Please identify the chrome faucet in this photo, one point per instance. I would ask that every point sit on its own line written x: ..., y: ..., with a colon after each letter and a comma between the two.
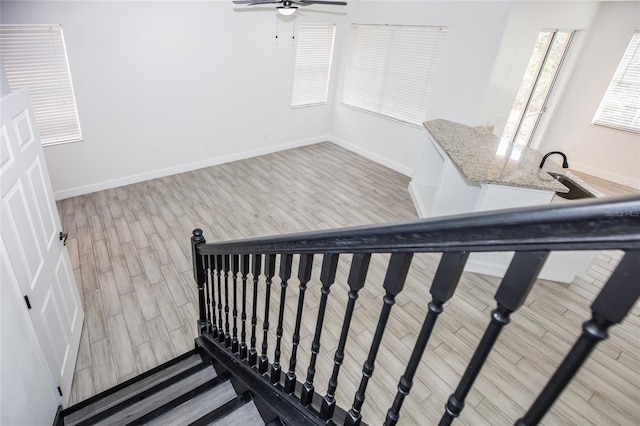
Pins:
x: 565, y: 164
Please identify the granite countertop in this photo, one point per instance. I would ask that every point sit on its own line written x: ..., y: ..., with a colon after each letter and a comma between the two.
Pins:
x: 481, y: 157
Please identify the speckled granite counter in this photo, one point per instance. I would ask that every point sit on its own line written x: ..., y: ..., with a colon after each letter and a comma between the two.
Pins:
x: 466, y: 169
x: 477, y: 154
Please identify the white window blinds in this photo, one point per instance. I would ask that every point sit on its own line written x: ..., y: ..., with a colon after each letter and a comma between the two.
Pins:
x: 313, y: 64
x: 620, y: 107
x: 391, y: 69
x: 34, y: 56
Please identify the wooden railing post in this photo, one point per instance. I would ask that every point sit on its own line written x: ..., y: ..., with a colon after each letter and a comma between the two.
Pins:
x: 235, y: 268
x: 211, y: 295
x: 393, y: 283
x: 200, y: 277
x: 304, y: 275
x: 227, y: 335
x: 612, y: 304
x: 443, y: 286
x: 512, y: 292
x: 286, y: 261
x: 269, y: 272
x: 327, y: 277
x: 219, y: 268
x: 357, y: 277
x: 256, y: 265
x: 243, y: 317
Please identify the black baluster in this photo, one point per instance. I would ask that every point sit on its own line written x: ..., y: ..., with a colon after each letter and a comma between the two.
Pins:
x: 443, y: 286
x: 243, y: 334
x: 200, y: 278
x: 219, y: 269
x: 256, y: 263
x: 235, y: 268
x: 212, y: 292
x: 304, y: 275
x: 227, y: 268
x: 285, y: 274
x: 393, y: 284
x: 327, y: 277
x: 269, y: 271
x: 356, y: 280
x: 612, y: 304
x: 511, y: 294
x: 207, y: 294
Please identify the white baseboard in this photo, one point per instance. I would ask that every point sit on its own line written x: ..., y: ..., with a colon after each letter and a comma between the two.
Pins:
x: 154, y: 174
x: 603, y: 174
x: 407, y: 171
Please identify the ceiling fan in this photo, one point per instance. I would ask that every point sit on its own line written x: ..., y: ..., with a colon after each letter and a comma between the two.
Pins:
x: 288, y: 7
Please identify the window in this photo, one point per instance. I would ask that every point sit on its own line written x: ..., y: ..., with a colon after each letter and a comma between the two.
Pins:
x: 313, y: 64
x: 620, y: 107
x: 391, y: 69
x: 535, y: 89
x: 35, y: 57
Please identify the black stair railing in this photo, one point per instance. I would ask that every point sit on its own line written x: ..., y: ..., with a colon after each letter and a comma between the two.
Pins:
x: 531, y: 233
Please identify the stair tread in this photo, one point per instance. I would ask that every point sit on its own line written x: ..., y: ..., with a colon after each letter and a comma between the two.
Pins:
x: 247, y: 415
x: 197, y: 407
x: 130, y: 391
x: 158, y: 399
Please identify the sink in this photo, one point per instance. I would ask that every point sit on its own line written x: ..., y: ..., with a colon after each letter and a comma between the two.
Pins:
x: 576, y: 192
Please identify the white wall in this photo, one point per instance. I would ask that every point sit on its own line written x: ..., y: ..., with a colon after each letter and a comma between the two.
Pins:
x: 165, y: 87
x: 474, y: 33
x: 487, y: 51
x: 28, y: 394
x: 608, y: 153
x: 526, y: 20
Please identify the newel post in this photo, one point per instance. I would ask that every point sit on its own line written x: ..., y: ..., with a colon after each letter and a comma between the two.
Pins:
x: 200, y: 276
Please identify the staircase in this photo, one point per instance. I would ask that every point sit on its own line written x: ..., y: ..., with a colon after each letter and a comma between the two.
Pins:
x: 185, y: 391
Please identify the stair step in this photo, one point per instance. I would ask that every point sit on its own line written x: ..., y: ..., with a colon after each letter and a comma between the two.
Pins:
x: 196, y: 407
x: 138, y: 407
x: 246, y: 415
x: 238, y: 411
x: 105, y: 401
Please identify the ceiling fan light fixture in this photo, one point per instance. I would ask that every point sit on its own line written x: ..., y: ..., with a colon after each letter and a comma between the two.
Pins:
x: 287, y: 10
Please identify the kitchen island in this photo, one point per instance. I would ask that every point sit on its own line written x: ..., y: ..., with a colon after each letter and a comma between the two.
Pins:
x: 466, y: 169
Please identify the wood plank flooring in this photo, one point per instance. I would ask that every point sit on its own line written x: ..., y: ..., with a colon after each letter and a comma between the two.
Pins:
x: 131, y: 255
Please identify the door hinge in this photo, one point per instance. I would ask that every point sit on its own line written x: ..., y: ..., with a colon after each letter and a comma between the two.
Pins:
x: 26, y: 299
x: 63, y: 237
x: 59, y: 391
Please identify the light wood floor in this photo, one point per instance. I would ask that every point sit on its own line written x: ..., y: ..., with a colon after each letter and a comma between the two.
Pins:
x: 131, y: 255
x: 611, y: 189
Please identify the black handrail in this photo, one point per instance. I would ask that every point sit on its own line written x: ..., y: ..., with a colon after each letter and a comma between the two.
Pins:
x: 612, y: 223
x: 531, y: 232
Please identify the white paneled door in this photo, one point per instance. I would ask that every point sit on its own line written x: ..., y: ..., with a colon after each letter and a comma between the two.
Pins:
x: 30, y: 229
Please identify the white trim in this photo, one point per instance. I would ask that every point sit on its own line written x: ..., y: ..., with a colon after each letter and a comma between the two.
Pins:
x: 407, y: 171
x: 421, y: 209
x: 154, y: 174
x: 604, y: 174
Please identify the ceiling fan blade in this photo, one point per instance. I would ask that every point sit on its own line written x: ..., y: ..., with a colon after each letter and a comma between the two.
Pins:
x: 250, y: 2
x: 308, y: 2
